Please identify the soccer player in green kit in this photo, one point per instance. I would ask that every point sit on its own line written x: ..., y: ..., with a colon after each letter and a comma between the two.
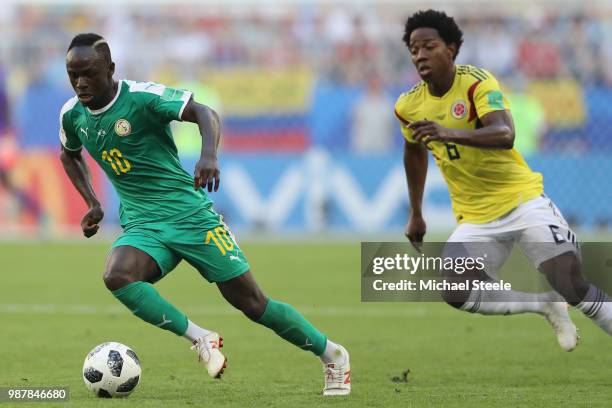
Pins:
x: 165, y: 214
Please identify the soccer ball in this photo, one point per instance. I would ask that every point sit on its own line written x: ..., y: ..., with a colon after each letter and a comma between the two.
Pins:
x: 111, y: 370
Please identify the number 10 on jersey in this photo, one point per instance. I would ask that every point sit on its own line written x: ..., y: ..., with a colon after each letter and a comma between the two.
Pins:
x: 119, y: 163
x: 221, y: 239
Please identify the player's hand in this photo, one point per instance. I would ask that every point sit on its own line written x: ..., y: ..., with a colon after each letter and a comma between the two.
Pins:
x: 425, y: 131
x: 207, y: 174
x: 415, y: 231
x: 91, y: 220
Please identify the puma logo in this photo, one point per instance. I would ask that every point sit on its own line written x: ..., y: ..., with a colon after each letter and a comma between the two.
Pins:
x: 163, y: 322
x: 307, y: 343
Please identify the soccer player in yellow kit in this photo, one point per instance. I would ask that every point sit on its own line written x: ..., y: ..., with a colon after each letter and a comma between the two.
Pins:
x: 459, y: 113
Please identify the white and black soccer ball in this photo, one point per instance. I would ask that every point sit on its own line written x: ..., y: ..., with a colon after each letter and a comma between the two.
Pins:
x: 111, y: 370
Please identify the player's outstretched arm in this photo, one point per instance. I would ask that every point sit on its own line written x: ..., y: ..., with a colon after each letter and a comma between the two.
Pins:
x: 415, y: 163
x: 497, y: 132
x: 207, y: 171
x: 77, y: 170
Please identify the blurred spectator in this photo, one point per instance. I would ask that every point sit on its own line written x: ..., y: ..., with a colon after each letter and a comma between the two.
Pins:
x: 495, y: 49
x: 580, y: 52
x: 605, y: 59
x: 538, y: 57
x: 372, y: 129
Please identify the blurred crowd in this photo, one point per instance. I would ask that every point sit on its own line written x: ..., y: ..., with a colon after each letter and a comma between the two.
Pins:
x: 357, y: 46
x: 345, y: 44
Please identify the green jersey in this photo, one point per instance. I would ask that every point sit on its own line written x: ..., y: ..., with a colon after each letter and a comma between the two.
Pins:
x: 130, y: 138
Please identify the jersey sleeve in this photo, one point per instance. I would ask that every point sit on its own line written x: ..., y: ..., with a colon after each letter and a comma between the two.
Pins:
x: 404, y: 122
x: 488, y: 97
x: 167, y: 104
x: 67, y: 134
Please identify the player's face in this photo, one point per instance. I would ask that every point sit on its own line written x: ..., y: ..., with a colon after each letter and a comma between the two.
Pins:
x: 430, y: 55
x: 91, y: 76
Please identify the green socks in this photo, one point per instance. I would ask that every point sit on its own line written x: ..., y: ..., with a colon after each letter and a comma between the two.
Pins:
x: 293, y: 327
x: 145, y: 302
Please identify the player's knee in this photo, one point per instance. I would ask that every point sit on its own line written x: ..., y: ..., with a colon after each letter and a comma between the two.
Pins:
x: 116, y: 278
x: 254, y: 306
x: 245, y: 295
x: 565, y: 263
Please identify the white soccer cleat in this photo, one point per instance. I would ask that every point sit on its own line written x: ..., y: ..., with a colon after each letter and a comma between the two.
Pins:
x: 338, y: 376
x: 558, y: 317
x: 210, y: 355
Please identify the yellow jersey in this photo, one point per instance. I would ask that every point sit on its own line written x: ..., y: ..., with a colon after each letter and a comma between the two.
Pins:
x: 484, y: 184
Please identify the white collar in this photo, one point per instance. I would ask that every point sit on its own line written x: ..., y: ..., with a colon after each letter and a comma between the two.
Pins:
x: 111, y: 103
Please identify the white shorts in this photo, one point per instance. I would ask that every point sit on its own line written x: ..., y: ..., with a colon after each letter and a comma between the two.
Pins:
x: 537, y: 226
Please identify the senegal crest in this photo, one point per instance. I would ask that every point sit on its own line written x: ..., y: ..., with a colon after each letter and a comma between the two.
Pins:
x: 123, y: 127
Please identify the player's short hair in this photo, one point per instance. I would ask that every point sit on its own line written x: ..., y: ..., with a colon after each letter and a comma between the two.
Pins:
x: 92, y: 40
x: 446, y: 27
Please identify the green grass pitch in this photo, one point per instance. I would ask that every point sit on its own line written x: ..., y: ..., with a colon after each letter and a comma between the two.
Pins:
x: 54, y: 308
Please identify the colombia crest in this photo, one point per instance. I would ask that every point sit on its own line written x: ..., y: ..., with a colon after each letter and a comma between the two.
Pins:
x: 459, y: 109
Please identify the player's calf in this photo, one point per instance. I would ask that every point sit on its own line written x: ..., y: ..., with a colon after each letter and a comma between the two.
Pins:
x: 244, y: 294
x: 459, y: 298
x: 565, y: 276
x: 127, y: 272
x: 456, y: 299
x: 487, y: 302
